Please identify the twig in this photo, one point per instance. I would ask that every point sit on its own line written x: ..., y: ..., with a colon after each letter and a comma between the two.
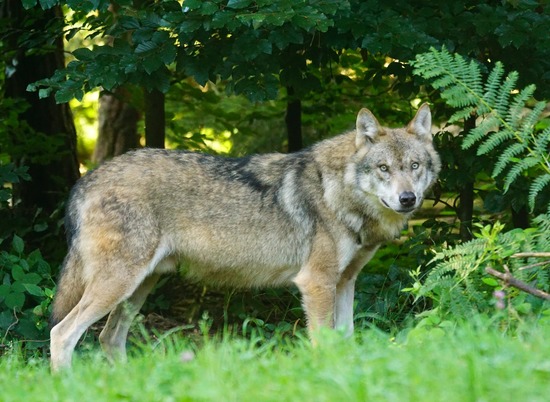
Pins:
x: 510, y: 280
x: 527, y: 255
x: 538, y: 264
x: 13, y: 324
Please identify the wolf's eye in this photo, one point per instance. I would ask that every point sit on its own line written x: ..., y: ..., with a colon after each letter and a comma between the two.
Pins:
x: 415, y: 165
x: 383, y: 168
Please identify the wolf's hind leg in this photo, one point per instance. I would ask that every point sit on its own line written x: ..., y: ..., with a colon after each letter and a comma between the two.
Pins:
x: 100, y: 297
x: 114, y: 334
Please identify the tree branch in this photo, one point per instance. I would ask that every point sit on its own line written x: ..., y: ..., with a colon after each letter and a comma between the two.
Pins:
x: 510, y: 280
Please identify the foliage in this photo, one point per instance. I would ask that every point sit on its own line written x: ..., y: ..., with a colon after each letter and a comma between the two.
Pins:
x: 209, y: 119
x: 258, y: 47
x: 458, y: 283
x: 26, y: 292
x: 459, y: 286
x: 506, y: 125
x: 10, y: 174
x: 26, y: 285
x: 242, y: 42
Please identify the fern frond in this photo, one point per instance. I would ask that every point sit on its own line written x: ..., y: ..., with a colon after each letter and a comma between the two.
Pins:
x: 504, y: 93
x: 506, y: 122
x: 492, y: 88
x: 527, y: 124
x: 473, y: 79
x: 490, y: 123
x: 459, y: 79
x: 536, y: 187
x: 541, y: 148
x: 494, y: 140
x: 521, y: 166
x: 507, y: 156
x: 514, y: 112
x: 463, y: 114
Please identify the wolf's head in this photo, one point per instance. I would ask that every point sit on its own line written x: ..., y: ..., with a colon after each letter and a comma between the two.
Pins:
x: 395, y: 167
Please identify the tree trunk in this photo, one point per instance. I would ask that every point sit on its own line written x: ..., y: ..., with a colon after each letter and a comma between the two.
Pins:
x: 466, y: 194
x: 117, y: 131
x: 520, y: 217
x: 293, y: 120
x: 53, y: 169
x: 155, y: 130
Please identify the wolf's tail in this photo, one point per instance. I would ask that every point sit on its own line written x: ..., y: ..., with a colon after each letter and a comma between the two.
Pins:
x: 70, y: 287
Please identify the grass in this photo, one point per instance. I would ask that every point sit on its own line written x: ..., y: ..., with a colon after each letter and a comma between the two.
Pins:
x: 465, y: 363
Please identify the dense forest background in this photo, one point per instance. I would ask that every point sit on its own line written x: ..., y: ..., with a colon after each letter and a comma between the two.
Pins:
x: 237, y: 77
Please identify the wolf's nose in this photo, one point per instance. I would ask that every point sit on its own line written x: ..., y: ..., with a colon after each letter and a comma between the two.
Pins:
x: 407, y: 198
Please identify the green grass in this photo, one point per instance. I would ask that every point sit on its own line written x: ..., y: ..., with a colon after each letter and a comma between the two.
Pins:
x: 468, y: 363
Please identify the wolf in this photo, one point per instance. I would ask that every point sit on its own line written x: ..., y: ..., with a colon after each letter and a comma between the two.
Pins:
x: 313, y: 218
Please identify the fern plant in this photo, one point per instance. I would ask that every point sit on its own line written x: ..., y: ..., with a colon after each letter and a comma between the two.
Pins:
x: 506, y: 128
x: 458, y: 285
x: 505, y: 121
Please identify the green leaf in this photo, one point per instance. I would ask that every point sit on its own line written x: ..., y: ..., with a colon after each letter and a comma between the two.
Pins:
x: 38, y: 311
x: 28, y: 4
x: 15, y: 300
x: 191, y: 4
x: 17, y: 287
x: 17, y: 273
x: 238, y: 3
x: 84, y: 54
x: 490, y: 281
x: 32, y: 278
x: 40, y: 227
x: 146, y: 46
x: 34, y: 289
x: 6, y: 319
x: 17, y: 244
x: 151, y: 63
x: 168, y: 53
x: 5, y: 194
x: 69, y: 91
x: 4, y: 290
x: 47, y: 4
x: 44, y: 93
x: 189, y: 26
x: 208, y: 8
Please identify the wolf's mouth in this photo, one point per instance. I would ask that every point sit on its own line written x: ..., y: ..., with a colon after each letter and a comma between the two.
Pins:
x: 404, y: 210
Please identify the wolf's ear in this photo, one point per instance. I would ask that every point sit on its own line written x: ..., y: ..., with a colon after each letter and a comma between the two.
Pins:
x: 367, y: 127
x: 421, y: 125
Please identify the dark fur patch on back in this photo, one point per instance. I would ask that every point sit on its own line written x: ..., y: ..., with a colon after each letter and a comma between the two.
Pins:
x: 234, y: 169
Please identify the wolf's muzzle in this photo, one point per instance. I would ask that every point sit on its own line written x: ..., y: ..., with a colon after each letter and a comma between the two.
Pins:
x: 407, y: 199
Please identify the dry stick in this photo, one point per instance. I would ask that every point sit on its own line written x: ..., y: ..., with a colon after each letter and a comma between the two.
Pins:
x: 533, y: 255
x: 510, y: 280
x: 527, y: 255
x: 538, y: 264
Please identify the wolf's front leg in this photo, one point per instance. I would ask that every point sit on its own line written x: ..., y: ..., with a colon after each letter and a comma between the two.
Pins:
x: 318, y: 301
x: 345, y: 290
x: 343, y: 311
x: 317, y: 283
